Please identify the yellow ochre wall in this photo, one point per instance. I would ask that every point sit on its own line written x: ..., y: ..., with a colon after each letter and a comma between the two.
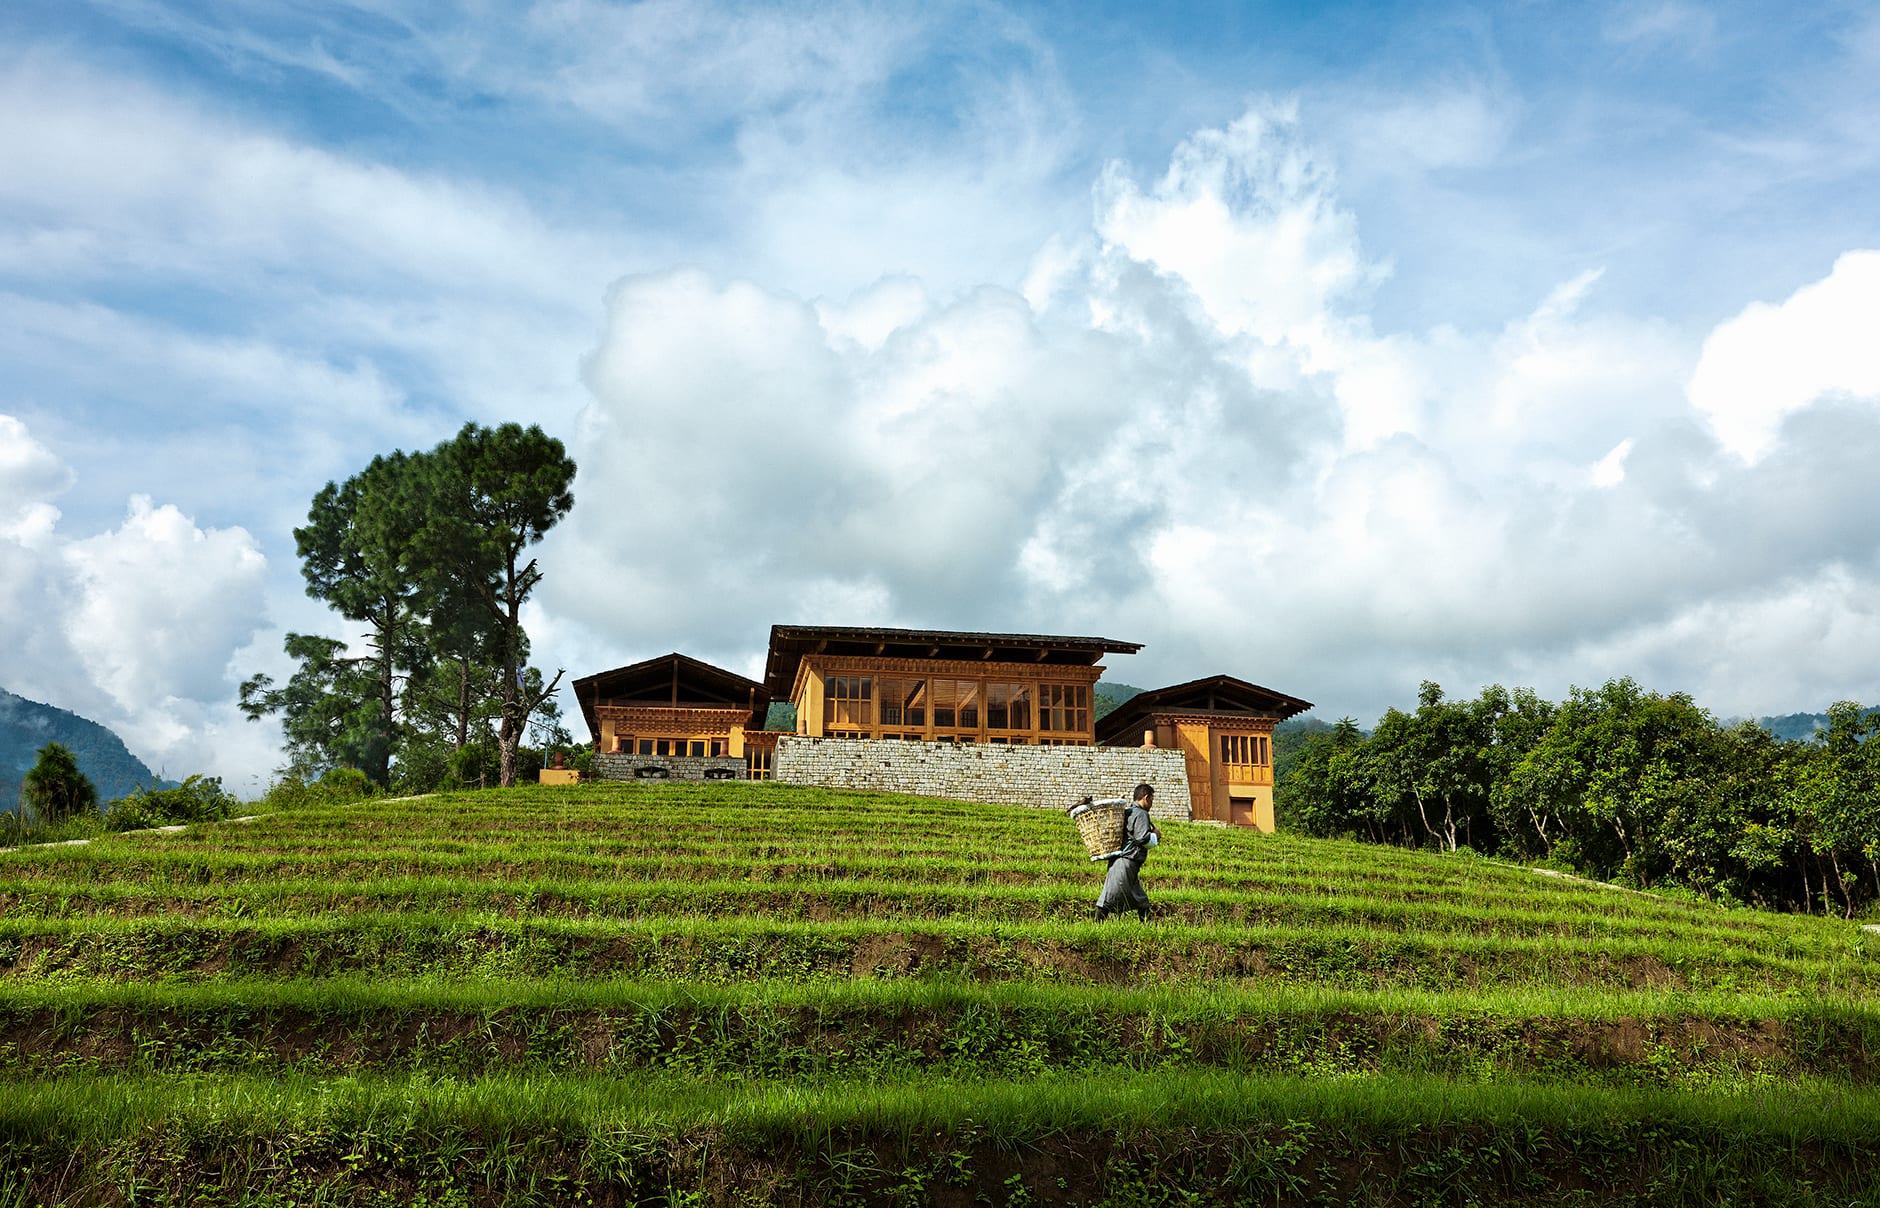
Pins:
x: 1210, y: 791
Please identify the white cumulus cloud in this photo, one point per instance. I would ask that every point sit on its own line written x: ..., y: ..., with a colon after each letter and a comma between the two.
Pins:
x: 1770, y: 361
x: 134, y: 627
x: 30, y: 477
x: 157, y: 601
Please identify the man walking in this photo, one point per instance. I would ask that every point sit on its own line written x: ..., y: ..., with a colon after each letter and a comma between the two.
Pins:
x: 1121, y: 890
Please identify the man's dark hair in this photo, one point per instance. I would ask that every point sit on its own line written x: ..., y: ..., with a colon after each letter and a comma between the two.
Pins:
x: 1145, y: 790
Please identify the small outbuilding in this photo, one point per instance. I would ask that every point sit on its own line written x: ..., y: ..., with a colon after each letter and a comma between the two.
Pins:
x: 1224, y: 729
x: 671, y: 706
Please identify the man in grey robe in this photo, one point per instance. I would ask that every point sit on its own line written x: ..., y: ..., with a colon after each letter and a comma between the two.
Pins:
x: 1121, y: 890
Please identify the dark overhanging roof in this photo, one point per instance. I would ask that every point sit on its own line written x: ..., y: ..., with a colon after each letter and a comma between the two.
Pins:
x: 671, y: 679
x: 789, y: 643
x: 1216, y: 695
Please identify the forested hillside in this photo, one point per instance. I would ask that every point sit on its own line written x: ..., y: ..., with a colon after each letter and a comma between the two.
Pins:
x: 1110, y: 695
x: 27, y: 725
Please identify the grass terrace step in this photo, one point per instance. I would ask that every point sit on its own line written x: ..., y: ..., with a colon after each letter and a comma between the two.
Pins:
x: 822, y: 896
x: 899, y: 1029
x: 721, y: 949
x: 1153, y: 1139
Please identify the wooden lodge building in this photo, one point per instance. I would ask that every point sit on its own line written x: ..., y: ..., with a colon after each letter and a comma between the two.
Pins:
x: 936, y: 686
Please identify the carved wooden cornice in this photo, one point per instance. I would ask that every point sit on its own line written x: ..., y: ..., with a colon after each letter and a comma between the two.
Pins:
x: 1225, y: 723
x: 695, y: 719
x: 1028, y: 673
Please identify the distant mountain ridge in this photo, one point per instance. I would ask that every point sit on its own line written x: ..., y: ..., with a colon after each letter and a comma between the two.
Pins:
x: 1793, y: 726
x: 1805, y: 727
x: 27, y: 725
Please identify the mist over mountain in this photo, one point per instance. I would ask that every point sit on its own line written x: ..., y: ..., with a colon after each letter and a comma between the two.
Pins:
x: 1801, y: 727
x: 27, y: 725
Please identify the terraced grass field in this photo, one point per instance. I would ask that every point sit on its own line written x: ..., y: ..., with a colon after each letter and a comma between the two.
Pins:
x: 751, y: 993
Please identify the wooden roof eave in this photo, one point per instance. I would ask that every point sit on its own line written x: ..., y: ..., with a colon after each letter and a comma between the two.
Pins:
x: 736, y: 692
x: 789, y: 644
x: 1174, y: 700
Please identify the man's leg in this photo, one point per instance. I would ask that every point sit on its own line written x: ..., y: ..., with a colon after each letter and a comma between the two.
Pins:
x: 1115, y: 895
x: 1138, y: 899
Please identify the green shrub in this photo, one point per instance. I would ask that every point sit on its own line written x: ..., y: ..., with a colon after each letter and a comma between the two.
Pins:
x: 339, y: 786
x: 343, y: 785
x: 55, y: 789
x: 421, y: 767
x: 197, y: 799
x: 479, y: 765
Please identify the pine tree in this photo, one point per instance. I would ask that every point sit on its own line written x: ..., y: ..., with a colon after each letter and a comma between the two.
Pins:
x: 55, y: 789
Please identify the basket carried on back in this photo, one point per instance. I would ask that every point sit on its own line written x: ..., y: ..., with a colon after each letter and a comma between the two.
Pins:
x: 1100, y: 824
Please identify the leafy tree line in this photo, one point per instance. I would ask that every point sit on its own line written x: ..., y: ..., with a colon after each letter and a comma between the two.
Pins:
x: 428, y: 553
x: 1615, y: 783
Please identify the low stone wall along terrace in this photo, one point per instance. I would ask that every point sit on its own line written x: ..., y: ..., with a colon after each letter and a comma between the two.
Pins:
x: 1046, y: 777
x: 621, y: 766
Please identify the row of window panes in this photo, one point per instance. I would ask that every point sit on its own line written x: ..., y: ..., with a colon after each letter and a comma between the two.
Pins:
x: 629, y: 745
x: 954, y: 704
x: 1246, y: 750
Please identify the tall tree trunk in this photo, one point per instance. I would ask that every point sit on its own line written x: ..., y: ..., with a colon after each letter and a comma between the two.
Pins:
x: 463, y: 701
x: 388, y: 692
x: 1447, y: 835
x: 1834, y: 858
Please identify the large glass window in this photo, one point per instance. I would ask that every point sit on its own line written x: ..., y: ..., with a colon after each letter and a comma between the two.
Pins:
x: 969, y: 703
x: 903, y: 702
x: 956, y: 704
x: 1021, y: 707
x: 847, y: 700
x: 1008, y: 707
x: 946, y: 702
x: 1063, y: 707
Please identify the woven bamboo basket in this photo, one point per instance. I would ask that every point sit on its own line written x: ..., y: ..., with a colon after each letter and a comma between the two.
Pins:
x: 1100, y: 825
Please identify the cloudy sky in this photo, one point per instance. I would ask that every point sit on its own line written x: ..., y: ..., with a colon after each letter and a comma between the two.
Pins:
x: 1331, y: 346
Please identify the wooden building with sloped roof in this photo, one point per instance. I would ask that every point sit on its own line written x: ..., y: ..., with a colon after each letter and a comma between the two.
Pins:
x: 947, y: 686
x: 1224, y: 728
x: 671, y: 705
x: 938, y: 685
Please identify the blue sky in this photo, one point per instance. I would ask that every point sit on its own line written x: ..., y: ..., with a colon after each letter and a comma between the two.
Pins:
x: 1336, y: 347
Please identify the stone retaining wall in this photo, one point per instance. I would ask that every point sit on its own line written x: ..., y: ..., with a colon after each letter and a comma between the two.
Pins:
x: 617, y: 765
x: 1047, y: 777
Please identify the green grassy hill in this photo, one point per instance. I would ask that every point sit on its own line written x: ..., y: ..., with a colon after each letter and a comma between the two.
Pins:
x: 761, y: 994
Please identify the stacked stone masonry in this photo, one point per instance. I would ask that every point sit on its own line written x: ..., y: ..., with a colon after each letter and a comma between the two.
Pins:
x: 621, y: 766
x: 1045, y: 777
